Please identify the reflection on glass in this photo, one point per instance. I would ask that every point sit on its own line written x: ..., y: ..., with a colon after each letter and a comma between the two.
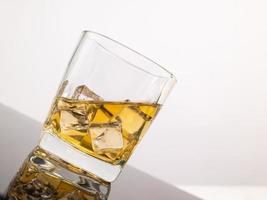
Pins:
x: 44, y: 177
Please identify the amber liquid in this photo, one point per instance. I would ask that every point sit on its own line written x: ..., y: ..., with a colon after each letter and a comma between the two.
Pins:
x: 106, y: 130
x: 38, y: 179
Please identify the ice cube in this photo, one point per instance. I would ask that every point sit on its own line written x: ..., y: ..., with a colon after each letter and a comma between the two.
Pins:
x: 74, y: 117
x: 70, y: 120
x: 132, y: 119
x: 83, y: 92
x: 76, y: 106
x: 106, y: 137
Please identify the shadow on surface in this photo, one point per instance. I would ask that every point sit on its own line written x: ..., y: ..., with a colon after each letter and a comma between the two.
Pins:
x: 20, y: 135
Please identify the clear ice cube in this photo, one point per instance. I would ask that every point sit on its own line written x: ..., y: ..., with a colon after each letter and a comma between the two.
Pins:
x: 106, y: 137
x: 83, y: 92
x: 70, y: 120
x: 132, y: 119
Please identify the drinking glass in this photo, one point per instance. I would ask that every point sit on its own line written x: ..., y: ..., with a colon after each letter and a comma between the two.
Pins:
x: 106, y: 101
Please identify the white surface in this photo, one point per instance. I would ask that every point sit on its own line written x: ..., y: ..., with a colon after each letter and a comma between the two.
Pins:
x: 228, y: 193
x: 213, y: 127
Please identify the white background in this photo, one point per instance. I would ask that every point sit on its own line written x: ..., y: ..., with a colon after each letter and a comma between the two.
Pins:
x: 213, y: 127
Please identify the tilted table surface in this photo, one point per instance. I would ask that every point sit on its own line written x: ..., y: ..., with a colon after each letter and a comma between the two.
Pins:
x: 20, y: 134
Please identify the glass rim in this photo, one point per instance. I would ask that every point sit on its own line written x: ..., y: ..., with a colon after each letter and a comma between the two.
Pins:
x: 168, y: 75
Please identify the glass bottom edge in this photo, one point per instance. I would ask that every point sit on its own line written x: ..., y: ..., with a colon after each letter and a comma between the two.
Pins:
x: 68, y: 153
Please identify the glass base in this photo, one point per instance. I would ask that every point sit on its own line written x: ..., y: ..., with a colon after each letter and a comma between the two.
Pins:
x: 67, y: 153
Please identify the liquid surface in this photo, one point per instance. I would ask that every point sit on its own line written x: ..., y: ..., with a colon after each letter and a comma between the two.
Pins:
x: 106, y: 130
